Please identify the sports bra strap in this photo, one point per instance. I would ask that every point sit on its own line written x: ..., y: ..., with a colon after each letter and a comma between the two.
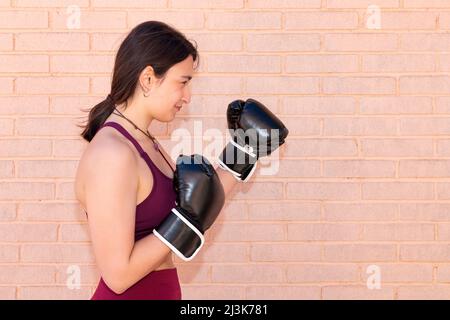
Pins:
x: 126, y: 134
x: 141, y: 151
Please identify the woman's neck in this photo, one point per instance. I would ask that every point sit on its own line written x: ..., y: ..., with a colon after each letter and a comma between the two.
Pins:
x: 132, y: 113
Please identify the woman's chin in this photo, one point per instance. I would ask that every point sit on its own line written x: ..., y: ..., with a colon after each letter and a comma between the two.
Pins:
x: 167, y: 117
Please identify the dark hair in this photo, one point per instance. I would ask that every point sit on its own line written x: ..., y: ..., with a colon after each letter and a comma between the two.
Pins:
x: 151, y: 43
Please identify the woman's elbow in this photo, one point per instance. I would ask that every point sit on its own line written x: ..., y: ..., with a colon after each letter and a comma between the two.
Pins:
x: 119, y: 290
x: 116, y: 282
x: 115, y: 285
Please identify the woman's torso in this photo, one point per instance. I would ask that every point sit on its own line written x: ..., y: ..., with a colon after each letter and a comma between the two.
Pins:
x: 146, y: 177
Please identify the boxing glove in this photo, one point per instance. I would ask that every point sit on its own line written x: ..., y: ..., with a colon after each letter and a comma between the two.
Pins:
x: 255, y: 132
x: 200, y: 198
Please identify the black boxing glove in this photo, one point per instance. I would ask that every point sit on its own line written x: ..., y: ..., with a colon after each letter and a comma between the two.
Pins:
x: 255, y: 132
x: 200, y: 198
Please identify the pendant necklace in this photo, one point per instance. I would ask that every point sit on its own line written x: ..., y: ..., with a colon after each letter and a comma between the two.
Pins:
x: 155, y: 143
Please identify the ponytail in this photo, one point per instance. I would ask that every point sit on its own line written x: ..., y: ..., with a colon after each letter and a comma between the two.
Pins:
x: 97, y: 117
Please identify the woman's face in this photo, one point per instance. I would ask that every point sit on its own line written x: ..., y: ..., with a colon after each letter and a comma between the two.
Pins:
x: 169, y: 96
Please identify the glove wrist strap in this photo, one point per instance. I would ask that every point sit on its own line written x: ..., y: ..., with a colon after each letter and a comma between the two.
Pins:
x: 238, y: 160
x: 180, y: 235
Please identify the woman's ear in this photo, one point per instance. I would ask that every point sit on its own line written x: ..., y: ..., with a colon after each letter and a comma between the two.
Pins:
x: 146, y: 79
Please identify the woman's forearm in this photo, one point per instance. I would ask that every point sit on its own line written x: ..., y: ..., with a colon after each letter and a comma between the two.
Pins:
x: 227, y: 179
x: 147, y: 254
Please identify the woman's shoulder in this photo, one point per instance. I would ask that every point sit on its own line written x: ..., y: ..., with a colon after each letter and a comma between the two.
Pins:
x: 109, y: 149
x: 106, y: 158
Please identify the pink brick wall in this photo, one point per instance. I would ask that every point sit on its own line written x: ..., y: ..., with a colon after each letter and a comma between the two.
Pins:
x: 364, y: 179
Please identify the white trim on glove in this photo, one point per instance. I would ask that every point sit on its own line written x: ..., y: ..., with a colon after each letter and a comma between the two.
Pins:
x: 237, y: 175
x: 172, y: 247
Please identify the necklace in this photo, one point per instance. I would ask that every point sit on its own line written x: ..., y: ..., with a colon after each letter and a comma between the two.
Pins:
x: 155, y: 143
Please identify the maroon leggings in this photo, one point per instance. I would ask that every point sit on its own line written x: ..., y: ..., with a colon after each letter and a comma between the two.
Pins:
x: 157, y: 285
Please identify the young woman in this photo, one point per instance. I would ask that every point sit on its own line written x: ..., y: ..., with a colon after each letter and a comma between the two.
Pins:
x: 124, y: 179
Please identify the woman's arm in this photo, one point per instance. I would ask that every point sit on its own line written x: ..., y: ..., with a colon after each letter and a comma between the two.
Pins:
x: 227, y: 179
x: 111, y: 195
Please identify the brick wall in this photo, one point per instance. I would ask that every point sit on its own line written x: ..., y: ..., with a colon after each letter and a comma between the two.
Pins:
x: 362, y: 188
